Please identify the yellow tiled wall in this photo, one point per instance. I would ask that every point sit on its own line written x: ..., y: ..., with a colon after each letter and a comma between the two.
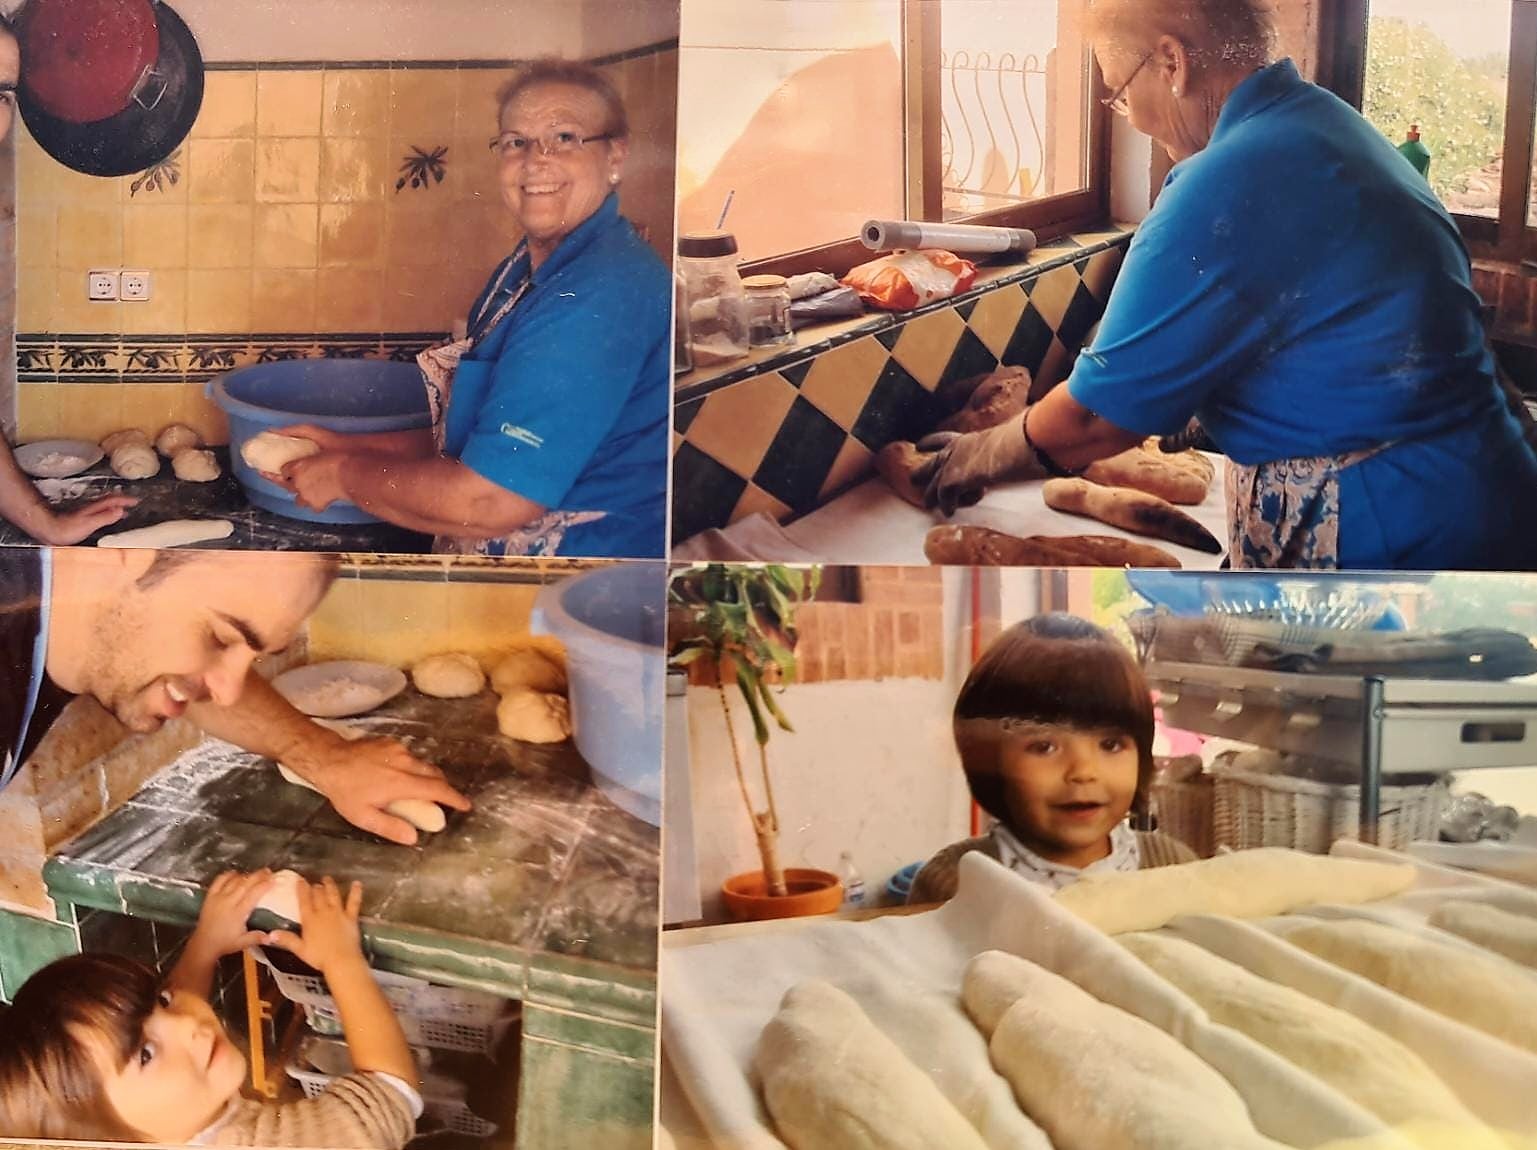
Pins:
x: 284, y: 213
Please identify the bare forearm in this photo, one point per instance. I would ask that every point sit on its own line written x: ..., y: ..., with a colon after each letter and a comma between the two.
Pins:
x: 438, y: 496
x: 1073, y: 435
x: 20, y: 502
x: 374, y: 1038
x: 397, y: 444
x: 266, y: 724
x: 194, y: 970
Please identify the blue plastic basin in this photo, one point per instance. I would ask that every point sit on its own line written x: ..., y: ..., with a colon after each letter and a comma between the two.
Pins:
x: 346, y: 395
x: 613, y: 624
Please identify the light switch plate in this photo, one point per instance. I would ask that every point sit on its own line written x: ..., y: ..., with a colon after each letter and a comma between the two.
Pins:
x: 101, y: 286
x: 137, y: 286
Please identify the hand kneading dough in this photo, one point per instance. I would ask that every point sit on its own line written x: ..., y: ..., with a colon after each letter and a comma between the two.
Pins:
x: 833, y: 1081
x: 176, y: 438
x: 195, y: 466
x: 539, y: 664
x: 282, y: 897
x: 1513, y: 935
x: 135, y: 461
x: 1361, y: 1062
x: 534, y: 717
x: 420, y: 813
x: 453, y: 676
x: 172, y: 533
x: 1245, y: 884
x: 271, y: 452
x: 123, y: 439
x: 1096, y: 1077
x: 1479, y: 990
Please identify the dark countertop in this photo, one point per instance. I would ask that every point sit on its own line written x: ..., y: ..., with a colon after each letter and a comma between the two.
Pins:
x: 545, y: 879
x: 166, y: 497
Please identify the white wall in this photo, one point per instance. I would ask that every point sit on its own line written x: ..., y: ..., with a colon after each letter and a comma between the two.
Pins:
x: 1131, y: 166
x: 1515, y: 788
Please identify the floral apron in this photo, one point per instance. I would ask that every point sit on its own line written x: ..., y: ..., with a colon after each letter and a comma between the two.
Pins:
x: 1286, y: 514
x: 440, y: 365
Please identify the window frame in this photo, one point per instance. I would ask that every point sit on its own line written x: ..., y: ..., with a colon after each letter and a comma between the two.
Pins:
x: 1048, y: 217
x: 1510, y: 238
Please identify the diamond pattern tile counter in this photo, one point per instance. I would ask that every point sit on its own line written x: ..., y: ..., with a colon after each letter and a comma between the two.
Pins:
x: 544, y: 875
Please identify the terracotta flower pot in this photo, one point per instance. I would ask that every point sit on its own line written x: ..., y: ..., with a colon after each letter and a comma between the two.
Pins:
x: 811, y: 892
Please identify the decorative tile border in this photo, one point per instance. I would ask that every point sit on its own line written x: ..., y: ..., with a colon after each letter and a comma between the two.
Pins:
x: 109, y: 358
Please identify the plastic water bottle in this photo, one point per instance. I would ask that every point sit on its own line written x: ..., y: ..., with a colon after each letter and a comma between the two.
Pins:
x: 853, y: 881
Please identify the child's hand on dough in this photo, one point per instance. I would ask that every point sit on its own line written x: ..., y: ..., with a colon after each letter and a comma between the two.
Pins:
x: 329, y: 925
x: 221, y: 925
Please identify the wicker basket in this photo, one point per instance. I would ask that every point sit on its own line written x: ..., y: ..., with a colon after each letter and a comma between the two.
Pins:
x: 1185, y: 810
x: 1252, y: 809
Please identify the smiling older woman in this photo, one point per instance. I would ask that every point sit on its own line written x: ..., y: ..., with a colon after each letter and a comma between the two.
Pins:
x: 1301, y: 292
x: 550, y: 417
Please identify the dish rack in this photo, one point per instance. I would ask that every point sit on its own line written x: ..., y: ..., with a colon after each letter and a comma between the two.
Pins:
x: 319, y: 1061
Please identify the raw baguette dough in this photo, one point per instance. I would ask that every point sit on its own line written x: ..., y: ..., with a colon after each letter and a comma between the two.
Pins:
x: 1513, y: 935
x: 1134, y: 511
x: 421, y: 814
x: 1361, y: 1062
x: 171, y: 533
x: 1479, y: 990
x: 282, y: 897
x: 534, y: 717
x: 1096, y: 1077
x: 833, y: 1081
x: 123, y: 439
x: 1245, y: 884
x: 970, y: 546
x: 271, y: 452
x: 538, y: 663
x: 195, y: 466
x: 175, y: 438
x: 1183, y: 477
x: 135, y: 461
x: 452, y: 676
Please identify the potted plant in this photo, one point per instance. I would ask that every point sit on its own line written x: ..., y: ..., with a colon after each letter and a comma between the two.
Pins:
x: 738, y: 622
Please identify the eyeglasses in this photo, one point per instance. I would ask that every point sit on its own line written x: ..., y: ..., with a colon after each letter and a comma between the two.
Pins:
x: 1117, y: 102
x: 515, y: 145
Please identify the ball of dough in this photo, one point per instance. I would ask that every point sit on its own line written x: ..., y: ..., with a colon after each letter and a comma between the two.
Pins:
x: 271, y: 452
x: 282, y: 897
x: 534, y: 717
x: 135, y: 461
x: 530, y: 668
x: 123, y: 439
x: 176, y: 438
x: 453, y: 676
x: 195, y: 466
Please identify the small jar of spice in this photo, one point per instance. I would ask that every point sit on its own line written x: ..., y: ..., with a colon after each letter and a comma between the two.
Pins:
x: 768, y: 311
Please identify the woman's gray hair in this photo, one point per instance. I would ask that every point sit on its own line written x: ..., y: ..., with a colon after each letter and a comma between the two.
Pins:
x: 1216, y: 32
x: 550, y: 70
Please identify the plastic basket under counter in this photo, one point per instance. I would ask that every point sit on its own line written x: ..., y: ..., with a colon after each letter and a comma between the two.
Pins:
x: 441, y: 1100
x: 442, y: 1017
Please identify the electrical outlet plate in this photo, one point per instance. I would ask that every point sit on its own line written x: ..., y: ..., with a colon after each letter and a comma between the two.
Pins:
x: 102, y: 286
x: 136, y: 286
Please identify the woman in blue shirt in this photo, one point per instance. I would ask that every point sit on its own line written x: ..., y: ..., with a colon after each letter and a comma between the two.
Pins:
x: 1301, y: 292
x: 550, y: 417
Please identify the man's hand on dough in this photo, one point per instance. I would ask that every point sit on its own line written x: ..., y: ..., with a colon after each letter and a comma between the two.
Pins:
x: 362, y: 778
x: 69, y: 527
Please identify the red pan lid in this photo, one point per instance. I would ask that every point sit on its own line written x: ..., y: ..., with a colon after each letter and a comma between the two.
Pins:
x: 83, y: 60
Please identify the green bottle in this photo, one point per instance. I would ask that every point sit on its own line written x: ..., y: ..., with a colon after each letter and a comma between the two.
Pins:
x: 1415, y: 152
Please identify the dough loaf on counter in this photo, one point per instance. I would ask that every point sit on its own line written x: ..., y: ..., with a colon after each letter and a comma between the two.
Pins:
x: 1244, y: 884
x: 965, y: 545
x: 1094, y: 1076
x: 537, y: 663
x: 1183, y: 477
x: 175, y: 438
x: 1365, y: 1065
x: 1513, y: 935
x: 123, y: 438
x: 1130, y: 510
x: 195, y: 466
x: 171, y: 533
x: 455, y: 675
x: 833, y: 1081
x: 135, y: 461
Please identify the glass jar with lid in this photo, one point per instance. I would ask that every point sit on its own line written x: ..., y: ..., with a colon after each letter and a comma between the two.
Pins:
x: 717, y: 301
x: 768, y: 311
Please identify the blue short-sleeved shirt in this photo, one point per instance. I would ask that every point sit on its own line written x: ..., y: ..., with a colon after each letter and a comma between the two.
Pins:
x: 570, y: 407
x: 1300, y: 289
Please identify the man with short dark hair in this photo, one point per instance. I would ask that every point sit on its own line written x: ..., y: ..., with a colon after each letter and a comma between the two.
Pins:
x: 155, y: 635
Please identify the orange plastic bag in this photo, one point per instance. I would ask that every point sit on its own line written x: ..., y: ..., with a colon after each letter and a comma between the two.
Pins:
x: 905, y: 280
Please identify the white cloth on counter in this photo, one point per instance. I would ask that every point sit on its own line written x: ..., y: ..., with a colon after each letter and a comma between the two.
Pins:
x: 717, y: 997
x: 755, y: 538
x: 1516, y: 862
x: 1125, y: 857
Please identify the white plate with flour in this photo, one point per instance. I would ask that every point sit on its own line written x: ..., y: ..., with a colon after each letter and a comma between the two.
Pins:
x: 58, y: 458
x: 339, y: 689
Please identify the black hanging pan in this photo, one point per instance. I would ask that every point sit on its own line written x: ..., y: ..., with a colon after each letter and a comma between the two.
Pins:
x: 79, y: 58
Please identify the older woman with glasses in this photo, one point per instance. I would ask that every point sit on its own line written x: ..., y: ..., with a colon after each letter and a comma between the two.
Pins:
x: 1300, y: 292
x: 550, y: 417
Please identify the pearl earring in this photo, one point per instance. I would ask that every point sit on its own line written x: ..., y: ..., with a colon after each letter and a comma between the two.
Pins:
x: 1176, y: 90
x: 613, y: 178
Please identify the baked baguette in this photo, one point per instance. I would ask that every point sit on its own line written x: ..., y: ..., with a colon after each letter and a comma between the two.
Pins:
x: 969, y: 546
x: 895, y: 463
x: 1180, y: 477
x: 1134, y: 511
x: 996, y: 399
